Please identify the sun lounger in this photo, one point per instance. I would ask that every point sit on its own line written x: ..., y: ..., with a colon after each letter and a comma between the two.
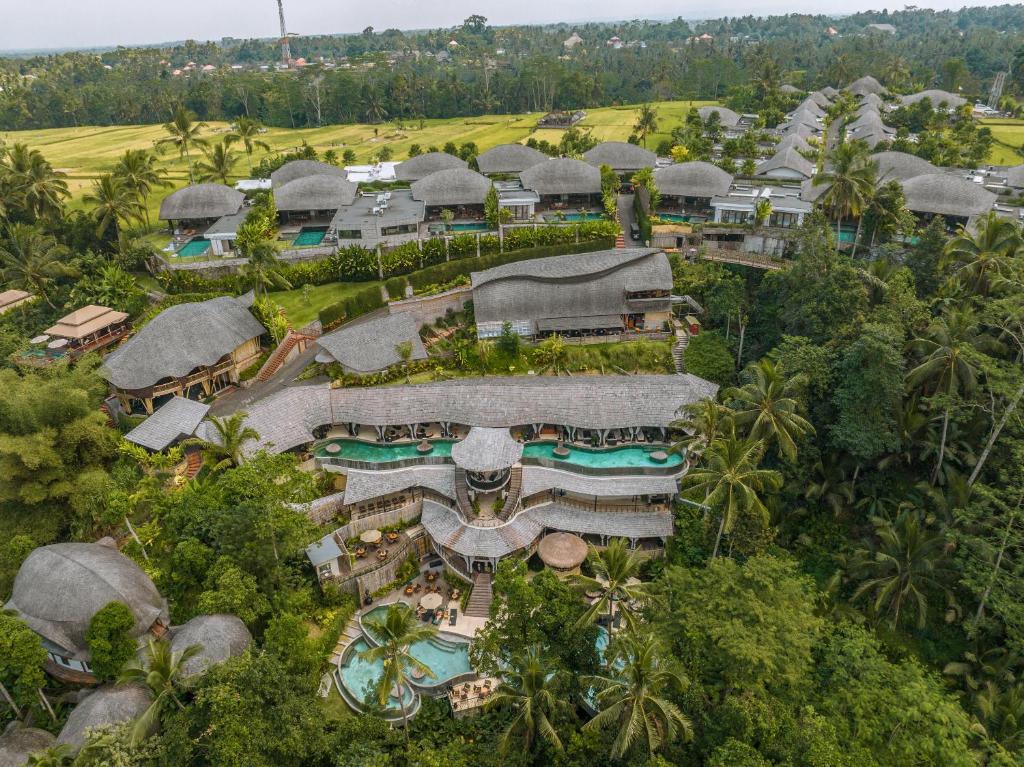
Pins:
x: 453, y: 617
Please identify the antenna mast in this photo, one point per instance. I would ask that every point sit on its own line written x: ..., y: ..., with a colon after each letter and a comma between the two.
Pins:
x: 286, y: 51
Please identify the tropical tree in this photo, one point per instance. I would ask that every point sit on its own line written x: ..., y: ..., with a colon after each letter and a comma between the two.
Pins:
x: 219, y: 162
x: 140, y: 173
x: 59, y: 755
x: 248, y: 131
x: 113, y: 202
x: 404, y: 352
x: 631, y: 697
x: 730, y: 480
x: 159, y: 669
x: 225, y: 450
x: 1000, y: 713
x: 34, y: 187
x: 646, y: 122
x: 447, y: 216
x: 762, y: 211
x: 530, y: 689
x: 263, y: 268
x: 850, y: 178
x: 33, y: 260
x: 702, y: 422
x: 767, y: 407
x: 184, y: 134
x: 552, y: 354
x: 986, y: 258
x: 394, y: 634
x: 616, y: 570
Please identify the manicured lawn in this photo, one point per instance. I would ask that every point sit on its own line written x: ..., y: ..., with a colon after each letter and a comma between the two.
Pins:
x: 1009, y: 136
x: 301, y: 311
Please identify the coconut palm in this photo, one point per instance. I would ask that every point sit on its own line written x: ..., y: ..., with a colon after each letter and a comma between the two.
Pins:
x: 112, y: 202
x: 1000, y: 712
x: 552, y: 354
x: 404, y: 352
x: 219, y: 163
x: 158, y: 668
x: 767, y: 407
x: 850, y: 181
x: 702, y: 422
x: 33, y: 260
x: 184, y: 134
x: 985, y: 259
x: 631, y: 699
x: 646, y: 122
x: 615, y: 580
x: 263, y: 268
x: 141, y: 174
x: 393, y: 635
x: 729, y: 481
x: 529, y: 688
x: 247, y: 131
x: 39, y: 190
x: 225, y: 450
x: 901, y: 566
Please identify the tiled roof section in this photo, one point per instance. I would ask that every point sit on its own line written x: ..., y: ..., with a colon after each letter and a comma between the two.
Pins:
x: 370, y: 346
x: 624, y: 524
x: 537, y: 479
x: 487, y: 449
x: 364, y: 485
x: 177, y: 418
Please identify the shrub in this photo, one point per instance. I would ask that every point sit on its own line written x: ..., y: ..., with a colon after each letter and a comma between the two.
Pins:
x: 395, y: 287
x: 708, y: 356
x: 356, y: 264
x: 110, y: 644
x: 359, y: 303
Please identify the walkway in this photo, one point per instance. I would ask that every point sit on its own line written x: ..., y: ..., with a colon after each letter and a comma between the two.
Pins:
x: 626, y: 218
x: 739, y: 257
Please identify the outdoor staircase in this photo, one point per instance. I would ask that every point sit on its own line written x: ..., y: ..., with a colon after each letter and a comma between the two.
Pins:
x: 349, y: 634
x: 679, y: 349
x: 105, y: 409
x: 515, y: 490
x: 479, y: 605
x: 620, y: 241
x: 280, y: 355
x: 193, y: 463
x: 462, y: 492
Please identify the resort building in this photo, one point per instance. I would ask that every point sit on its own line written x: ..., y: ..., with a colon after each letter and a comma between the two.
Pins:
x: 564, y: 183
x: 622, y: 157
x: 191, y: 211
x: 314, y: 199
x: 105, y: 707
x: 12, y: 298
x: 687, y: 190
x: 509, y: 159
x: 461, y: 190
x: 865, y: 86
x: 296, y: 169
x: 958, y: 200
x: 900, y: 166
x: 218, y: 637
x: 372, y: 346
x: 608, y: 293
x: 939, y: 99
x: 377, y: 219
x: 58, y: 590
x: 188, y: 350
x: 423, y: 165
x: 726, y: 117
x: 739, y: 206
x: 787, y: 164
x: 176, y: 420
x: 795, y: 141
x: 89, y: 329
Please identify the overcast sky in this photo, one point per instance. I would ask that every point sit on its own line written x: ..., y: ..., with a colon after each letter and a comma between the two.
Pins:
x: 27, y: 24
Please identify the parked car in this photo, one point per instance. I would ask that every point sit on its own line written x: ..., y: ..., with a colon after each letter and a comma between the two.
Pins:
x: 634, y: 230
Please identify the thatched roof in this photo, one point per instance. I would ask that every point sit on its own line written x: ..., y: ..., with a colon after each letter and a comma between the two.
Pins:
x: 868, y: 121
x: 86, y: 321
x: 562, y: 176
x: 936, y: 97
x: 1015, y: 177
x: 108, y: 705
x: 180, y: 339
x: 692, y: 179
x: 220, y: 638
x: 865, y: 85
x: 621, y: 155
x: 562, y: 551
x: 487, y: 449
x: 18, y: 743
x: 315, y: 193
x: 900, y: 166
x: 798, y: 129
x: 175, y: 419
x: 829, y: 92
x: 297, y: 169
x: 59, y: 588
x: 872, y: 135
x: 369, y: 346
x: 201, y: 201
x: 871, y: 100
x: 423, y: 165
x: 787, y: 159
x: 364, y: 485
x: 455, y: 186
x: 794, y: 141
x: 811, y: 105
x: 792, y: 90
x: 509, y: 158
x: 12, y: 297
x: 726, y: 116
x: 820, y: 99
x: 947, y: 195
x: 811, y: 192
x: 803, y: 117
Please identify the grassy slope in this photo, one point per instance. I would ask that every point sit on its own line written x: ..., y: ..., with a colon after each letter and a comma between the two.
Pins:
x: 1009, y: 136
x: 300, y: 312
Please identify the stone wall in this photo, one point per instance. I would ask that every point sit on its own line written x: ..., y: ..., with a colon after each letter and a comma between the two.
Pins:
x: 428, y: 309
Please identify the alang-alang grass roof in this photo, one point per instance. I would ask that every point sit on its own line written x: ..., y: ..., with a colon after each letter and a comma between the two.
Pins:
x: 201, y: 201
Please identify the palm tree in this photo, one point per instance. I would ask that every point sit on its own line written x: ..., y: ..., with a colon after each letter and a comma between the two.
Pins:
x: 632, y: 700
x: 900, y: 568
x: 219, y: 163
x: 404, y: 352
x: 394, y: 633
x: 184, y: 134
x: 767, y: 405
x: 248, y: 131
x: 529, y: 689
x: 38, y: 188
x: 33, y: 261
x: 1000, y: 712
x: 112, y: 202
x: 263, y: 269
x: 730, y: 480
x: 615, y: 580
x: 702, y: 422
x: 985, y: 259
x: 646, y: 122
x: 552, y: 353
x: 850, y: 181
x: 948, y: 367
x: 141, y: 174
x: 232, y: 434
x: 159, y: 669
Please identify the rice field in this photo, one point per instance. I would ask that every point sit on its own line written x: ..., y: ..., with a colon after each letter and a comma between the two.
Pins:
x: 1009, y: 138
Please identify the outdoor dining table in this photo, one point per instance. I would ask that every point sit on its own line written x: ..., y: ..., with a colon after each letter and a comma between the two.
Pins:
x: 431, y: 576
x: 370, y: 536
x: 430, y: 601
x: 360, y: 552
x: 392, y: 537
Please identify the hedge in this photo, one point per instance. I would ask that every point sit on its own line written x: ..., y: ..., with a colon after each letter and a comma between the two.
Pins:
x: 395, y: 287
x: 362, y: 302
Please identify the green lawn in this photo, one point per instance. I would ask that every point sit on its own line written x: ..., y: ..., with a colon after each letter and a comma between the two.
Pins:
x: 1009, y: 137
x: 301, y: 311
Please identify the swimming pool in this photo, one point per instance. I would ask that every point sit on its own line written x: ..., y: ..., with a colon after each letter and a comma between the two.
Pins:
x: 612, y: 457
x: 310, y: 235
x: 578, y: 217
x: 360, y: 677
x: 478, y: 227
x: 674, y: 218
x: 380, y: 452
x: 197, y: 246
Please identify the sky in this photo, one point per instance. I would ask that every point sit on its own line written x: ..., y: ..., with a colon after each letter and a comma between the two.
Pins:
x: 41, y: 24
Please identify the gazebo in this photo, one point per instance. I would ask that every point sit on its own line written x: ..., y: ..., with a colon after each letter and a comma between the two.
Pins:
x: 487, y: 456
x: 562, y: 552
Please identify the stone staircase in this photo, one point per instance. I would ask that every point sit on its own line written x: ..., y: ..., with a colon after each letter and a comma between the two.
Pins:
x: 479, y: 605
x: 515, y: 489
x: 620, y: 241
x: 349, y: 634
x: 462, y: 492
x: 280, y: 355
x: 679, y: 349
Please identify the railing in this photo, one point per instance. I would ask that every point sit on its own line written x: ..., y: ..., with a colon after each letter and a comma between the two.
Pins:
x: 604, y: 471
x: 575, y: 503
x: 401, y: 463
x: 208, y: 374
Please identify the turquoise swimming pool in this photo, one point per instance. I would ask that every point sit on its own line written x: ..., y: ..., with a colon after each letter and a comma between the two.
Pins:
x: 360, y: 677
x: 578, y: 217
x: 374, y: 452
x: 472, y: 227
x: 630, y: 456
x: 197, y: 246
x: 310, y: 235
x: 674, y: 218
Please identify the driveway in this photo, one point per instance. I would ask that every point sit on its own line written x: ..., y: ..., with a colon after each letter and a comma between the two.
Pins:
x: 626, y: 218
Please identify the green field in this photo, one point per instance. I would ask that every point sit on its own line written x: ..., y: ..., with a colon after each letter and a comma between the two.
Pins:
x: 1009, y: 138
x: 301, y: 312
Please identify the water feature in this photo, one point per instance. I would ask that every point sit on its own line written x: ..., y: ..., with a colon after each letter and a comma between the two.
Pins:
x: 630, y: 456
x: 381, y: 452
x: 577, y: 217
x: 674, y: 218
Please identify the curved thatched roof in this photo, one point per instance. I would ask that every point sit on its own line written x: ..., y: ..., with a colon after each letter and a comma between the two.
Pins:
x: 621, y: 155
x: 18, y: 743
x: 947, y: 195
x: 562, y: 176
x: 180, y: 339
x: 692, y: 179
x: 900, y: 166
x: 201, y: 201
x: 318, y: 192
x: 297, y: 169
x: 562, y: 551
x: 791, y: 90
x: 455, y: 186
x: 366, y: 347
x: 59, y: 588
x: 936, y: 97
x: 486, y: 449
x: 423, y: 165
x: 794, y: 141
x: 787, y: 159
x: 108, y: 705
x: 810, y: 105
x: 220, y: 638
x: 509, y: 158
x: 865, y: 85
x: 867, y: 119
x: 1015, y: 177
x: 727, y: 117
x: 820, y: 99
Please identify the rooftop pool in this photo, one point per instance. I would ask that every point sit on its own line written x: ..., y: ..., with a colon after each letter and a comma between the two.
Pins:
x: 374, y: 452
x: 628, y: 456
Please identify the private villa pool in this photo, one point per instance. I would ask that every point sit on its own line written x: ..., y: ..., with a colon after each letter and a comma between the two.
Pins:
x: 630, y: 456
x: 309, y: 236
x: 197, y: 246
x: 576, y: 217
x: 381, y: 452
x: 674, y: 218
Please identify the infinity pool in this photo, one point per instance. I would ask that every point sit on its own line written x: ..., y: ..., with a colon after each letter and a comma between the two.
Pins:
x: 194, y: 247
x: 373, y: 452
x: 360, y: 677
x: 482, y: 227
x: 578, y: 217
x: 612, y: 457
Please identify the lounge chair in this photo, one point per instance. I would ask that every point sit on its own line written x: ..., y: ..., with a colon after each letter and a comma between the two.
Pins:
x: 453, y: 617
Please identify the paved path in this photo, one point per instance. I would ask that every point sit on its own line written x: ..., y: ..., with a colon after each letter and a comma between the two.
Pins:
x: 626, y: 217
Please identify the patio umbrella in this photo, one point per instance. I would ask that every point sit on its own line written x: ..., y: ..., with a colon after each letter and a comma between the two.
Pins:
x: 58, y: 343
x: 370, y: 536
x: 430, y: 601
x: 40, y: 339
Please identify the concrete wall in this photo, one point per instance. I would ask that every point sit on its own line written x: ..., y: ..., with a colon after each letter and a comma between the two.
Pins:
x: 428, y: 309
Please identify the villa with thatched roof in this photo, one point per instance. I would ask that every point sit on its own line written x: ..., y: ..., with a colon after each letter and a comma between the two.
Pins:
x: 296, y: 169
x: 787, y: 164
x: 188, y: 350
x: 218, y: 637
x: 726, y: 116
x: 381, y: 218
x: 563, y: 182
x: 900, y: 166
x: 107, y: 706
x: 508, y: 159
x: 939, y: 99
x: 460, y: 189
x: 423, y: 165
x: 198, y: 206
x: 866, y: 85
x: 373, y: 345
x: 314, y: 196
x: 956, y: 199
x: 687, y: 188
x: 621, y: 156
x: 89, y: 329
